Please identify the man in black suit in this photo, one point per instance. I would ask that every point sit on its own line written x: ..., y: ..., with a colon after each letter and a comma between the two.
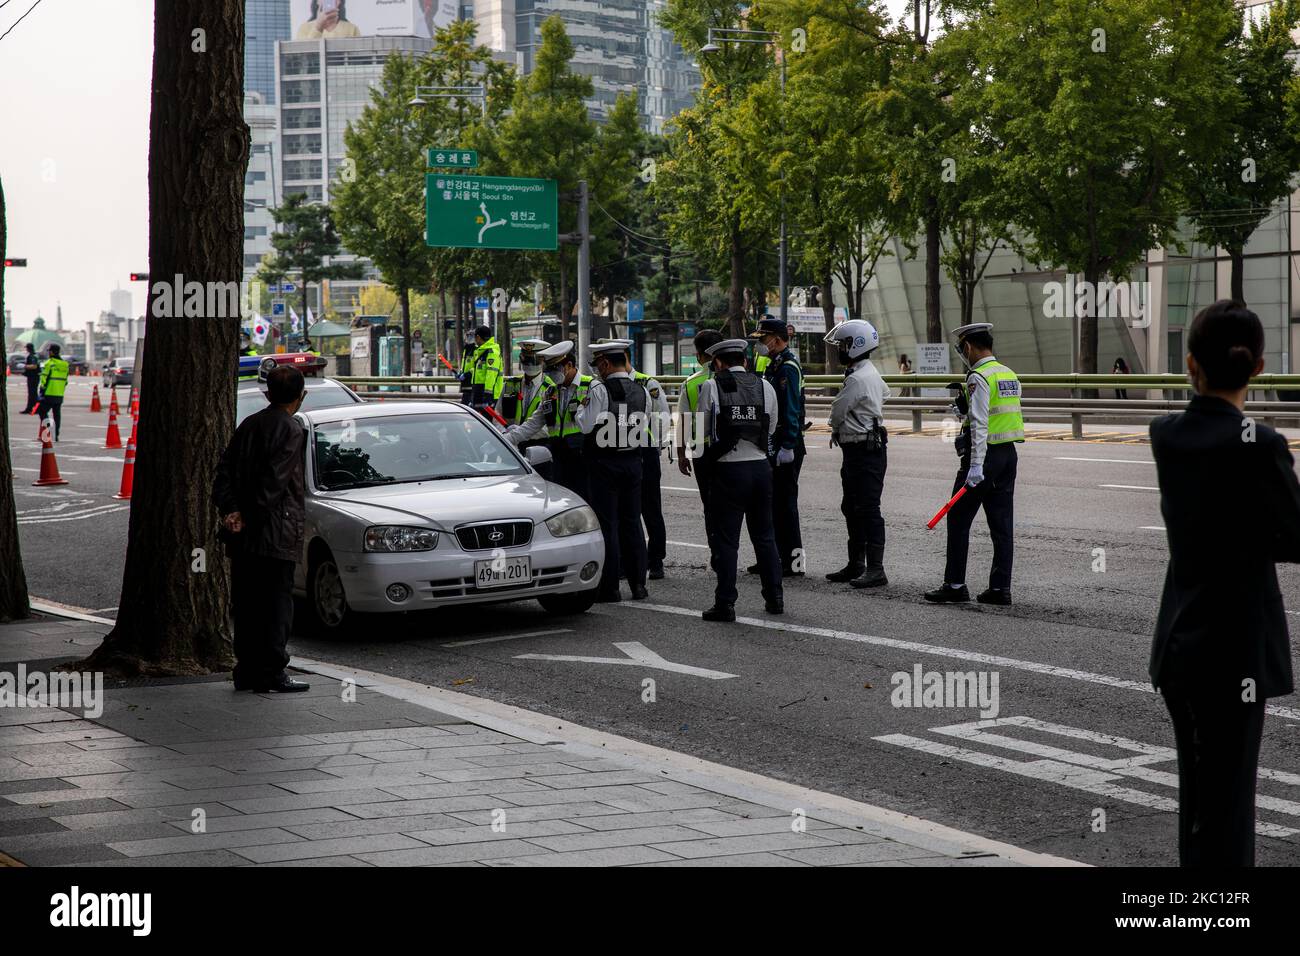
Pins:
x: 259, y: 491
x: 1221, y: 645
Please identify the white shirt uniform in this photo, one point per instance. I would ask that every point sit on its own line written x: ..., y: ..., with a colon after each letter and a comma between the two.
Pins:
x: 710, y: 406
x: 597, y: 403
x: 534, y: 426
x: 860, y: 402
x: 977, y: 392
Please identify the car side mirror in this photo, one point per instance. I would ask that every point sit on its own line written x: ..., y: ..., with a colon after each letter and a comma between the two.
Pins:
x: 538, y: 456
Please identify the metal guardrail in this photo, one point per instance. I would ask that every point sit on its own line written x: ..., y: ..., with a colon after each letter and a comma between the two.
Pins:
x: 416, y: 387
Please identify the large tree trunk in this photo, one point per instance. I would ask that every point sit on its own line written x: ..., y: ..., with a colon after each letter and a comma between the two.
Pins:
x: 173, y: 611
x: 1088, y: 325
x: 404, y: 300
x: 933, y: 303
x: 736, y: 292
x: 13, y: 581
x: 828, y: 315
x: 1238, y: 274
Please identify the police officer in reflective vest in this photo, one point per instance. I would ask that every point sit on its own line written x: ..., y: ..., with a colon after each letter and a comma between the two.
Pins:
x: 522, y: 395
x: 785, y: 375
x: 740, y: 410
x: 691, y: 436
x: 555, y: 418
x: 54, y: 380
x: 856, y: 427
x: 987, y: 446
x: 613, y: 419
x: 486, y: 369
x: 652, y: 508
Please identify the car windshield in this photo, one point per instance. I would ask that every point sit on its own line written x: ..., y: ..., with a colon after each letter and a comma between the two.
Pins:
x: 325, y: 395
x: 404, y: 448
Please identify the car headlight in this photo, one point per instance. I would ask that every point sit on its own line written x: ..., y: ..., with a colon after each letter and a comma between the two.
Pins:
x: 396, y: 538
x: 574, y: 521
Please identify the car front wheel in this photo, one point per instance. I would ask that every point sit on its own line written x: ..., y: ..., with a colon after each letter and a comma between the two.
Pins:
x: 563, y: 604
x: 326, y: 598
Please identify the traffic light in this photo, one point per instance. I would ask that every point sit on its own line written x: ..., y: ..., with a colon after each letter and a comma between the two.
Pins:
x: 15, y: 263
x: 139, y: 277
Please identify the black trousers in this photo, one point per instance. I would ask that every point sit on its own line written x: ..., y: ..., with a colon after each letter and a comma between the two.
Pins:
x: 616, y: 499
x: 652, y: 508
x: 51, y: 405
x: 1218, y: 756
x: 32, y: 381
x: 785, y: 509
x: 701, y: 469
x: 262, y: 596
x: 742, y: 492
x: 996, y: 493
x: 862, y: 479
x: 568, y: 468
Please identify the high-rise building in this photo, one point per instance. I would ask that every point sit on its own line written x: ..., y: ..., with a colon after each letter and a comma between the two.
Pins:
x: 265, y: 22
x: 120, y: 303
x: 261, y: 179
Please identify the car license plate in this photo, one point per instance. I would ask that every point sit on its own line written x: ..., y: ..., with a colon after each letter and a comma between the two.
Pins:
x: 502, y: 572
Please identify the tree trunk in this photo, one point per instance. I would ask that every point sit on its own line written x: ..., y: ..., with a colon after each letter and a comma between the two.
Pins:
x: 564, y: 298
x: 461, y: 335
x: 933, y: 303
x: 828, y: 315
x: 404, y: 300
x: 13, y: 582
x: 173, y: 611
x: 1238, y: 275
x: 736, y: 293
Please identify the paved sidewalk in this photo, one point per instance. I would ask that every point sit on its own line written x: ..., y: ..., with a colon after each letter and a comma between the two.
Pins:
x: 403, y: 775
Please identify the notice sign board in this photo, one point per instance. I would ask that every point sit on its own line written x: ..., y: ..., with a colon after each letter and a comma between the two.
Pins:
x: 932, y: 359
x: 490, y: 212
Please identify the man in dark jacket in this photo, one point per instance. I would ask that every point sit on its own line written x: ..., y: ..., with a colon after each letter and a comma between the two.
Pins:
x: 32, y: 370
x: 259, y: 491
x: 1231, y: 504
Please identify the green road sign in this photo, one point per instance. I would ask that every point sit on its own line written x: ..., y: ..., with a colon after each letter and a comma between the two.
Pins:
x: 454, y: 158
x: 490, y: 212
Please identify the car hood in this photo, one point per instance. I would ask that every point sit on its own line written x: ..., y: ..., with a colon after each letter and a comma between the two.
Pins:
x: 450, y: 502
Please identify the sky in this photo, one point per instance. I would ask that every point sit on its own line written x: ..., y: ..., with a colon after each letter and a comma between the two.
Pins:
x: 74, y: 144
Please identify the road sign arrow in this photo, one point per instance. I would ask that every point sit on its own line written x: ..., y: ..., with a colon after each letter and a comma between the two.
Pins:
x: 637, y: 653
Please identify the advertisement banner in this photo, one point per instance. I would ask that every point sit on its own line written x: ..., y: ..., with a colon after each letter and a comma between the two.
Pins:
x: 334, y: 19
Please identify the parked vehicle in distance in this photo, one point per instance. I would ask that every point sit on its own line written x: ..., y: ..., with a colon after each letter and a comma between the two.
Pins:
x: 250, y: 397
x: 119, y: 371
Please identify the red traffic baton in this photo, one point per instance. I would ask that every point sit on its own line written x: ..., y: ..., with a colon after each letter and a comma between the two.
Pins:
x: 944, y: 510
x: 443, y: 360
x: 496, y: 416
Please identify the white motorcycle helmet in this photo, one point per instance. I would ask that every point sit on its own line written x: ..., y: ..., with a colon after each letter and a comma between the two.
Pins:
x: 855, y: 338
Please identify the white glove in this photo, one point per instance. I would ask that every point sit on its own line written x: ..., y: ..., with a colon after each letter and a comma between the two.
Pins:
x: 785, y: 457
x: 510, y: 435
x: 974, y: 475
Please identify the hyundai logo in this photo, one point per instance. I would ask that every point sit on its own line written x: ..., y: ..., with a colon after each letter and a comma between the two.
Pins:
x: 496, y: 536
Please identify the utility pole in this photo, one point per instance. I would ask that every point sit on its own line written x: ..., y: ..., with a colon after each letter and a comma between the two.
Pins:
x: 581, y: 239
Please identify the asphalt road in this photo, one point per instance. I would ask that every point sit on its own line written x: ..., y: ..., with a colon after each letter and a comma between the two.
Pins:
x: 1078, y: 761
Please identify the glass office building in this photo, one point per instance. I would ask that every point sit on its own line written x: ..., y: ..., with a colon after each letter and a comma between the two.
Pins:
x: 265, y: 21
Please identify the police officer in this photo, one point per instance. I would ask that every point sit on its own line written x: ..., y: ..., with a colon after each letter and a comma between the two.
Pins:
x: 555, y: 418
x: 54, y: 380
x: 987, y: 445
x: 785, y: 375
x: 652, y: 508
x: 691, y: 437
x: 246, y: 344
x: 466, y: 374
x: 613, y: 422
x: 856, y: 427
x: 740, y: 412
x: 523, y: 394
x: 486, y: 369
x: 32, y: 371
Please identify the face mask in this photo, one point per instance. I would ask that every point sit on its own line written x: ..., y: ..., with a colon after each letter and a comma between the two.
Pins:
x: 760, y: 348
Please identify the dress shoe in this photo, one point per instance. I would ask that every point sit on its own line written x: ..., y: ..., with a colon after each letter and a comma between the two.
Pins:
x: 946, y: 595
x: 871, y: 578
x: 846, y: 573
x: 613, y: 598
x: 656, y: 572
x: 774, y: 607
x: 287, y: 685
x: 752, y: 569
x: 995, y: 596
x: 720, y: 612
x: 640, y: 594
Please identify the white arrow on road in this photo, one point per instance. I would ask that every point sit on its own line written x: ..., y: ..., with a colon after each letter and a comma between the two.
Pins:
x: 637, y: 653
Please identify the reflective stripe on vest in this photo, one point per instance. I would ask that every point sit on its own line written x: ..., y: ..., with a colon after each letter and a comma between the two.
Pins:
x: 1006, y: 424
x: 565, y: 424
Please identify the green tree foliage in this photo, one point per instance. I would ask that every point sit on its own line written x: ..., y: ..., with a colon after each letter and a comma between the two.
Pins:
x: 302, y: 245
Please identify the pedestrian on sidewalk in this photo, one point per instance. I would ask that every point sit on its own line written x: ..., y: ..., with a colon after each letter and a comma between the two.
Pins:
x: 32, y: 372
x: 1221, y: 646
x: 258, y: 489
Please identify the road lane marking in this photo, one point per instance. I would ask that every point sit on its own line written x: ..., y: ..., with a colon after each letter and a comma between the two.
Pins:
x: 1110, y: 461
x: 637, y: 654
x: 1130, y: 487
x: 916, y: 647
x: 507, y: 637
x: 1152, y: 527
x: 674, y: 488
x: 76, y: 515
x: 688, y: 544
x: 1084, y: 771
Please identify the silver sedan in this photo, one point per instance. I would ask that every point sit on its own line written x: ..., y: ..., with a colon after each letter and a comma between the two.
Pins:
x: 418, y: 505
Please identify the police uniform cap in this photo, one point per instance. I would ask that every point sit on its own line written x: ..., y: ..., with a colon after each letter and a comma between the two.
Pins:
x: 770, y: 327
x: 557, y: 353
x: 612, y: 347
x: 962, y: 331
x: 533, y: 345
x: 726, y: 345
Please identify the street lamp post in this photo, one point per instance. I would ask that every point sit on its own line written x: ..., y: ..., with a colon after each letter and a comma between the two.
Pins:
x: 716, y: 37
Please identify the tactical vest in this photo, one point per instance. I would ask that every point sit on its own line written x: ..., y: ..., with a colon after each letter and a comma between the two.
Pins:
x: 741, y: 414
x: 1006, y: 424
x: 627, y: 398
x: 561, y: 423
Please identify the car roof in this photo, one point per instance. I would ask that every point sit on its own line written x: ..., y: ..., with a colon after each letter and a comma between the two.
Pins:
x: 338, y: 413
x: 249, y: 384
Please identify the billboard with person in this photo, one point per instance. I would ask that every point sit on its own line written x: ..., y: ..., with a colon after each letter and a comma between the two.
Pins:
x: 334, y: 19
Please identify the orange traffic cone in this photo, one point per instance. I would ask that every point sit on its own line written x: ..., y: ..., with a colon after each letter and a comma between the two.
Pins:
x: 49, y: 464
x: 113, y: 439
x: 128, y: 469
x: 95, y: 406
x: 135, y: 404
